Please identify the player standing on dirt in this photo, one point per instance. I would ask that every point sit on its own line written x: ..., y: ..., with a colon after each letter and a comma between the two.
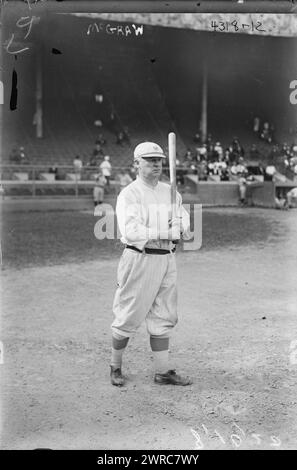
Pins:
x: 147, y: 276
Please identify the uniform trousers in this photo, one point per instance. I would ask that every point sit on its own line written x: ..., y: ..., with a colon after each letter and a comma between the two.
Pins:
x: 147, y: 291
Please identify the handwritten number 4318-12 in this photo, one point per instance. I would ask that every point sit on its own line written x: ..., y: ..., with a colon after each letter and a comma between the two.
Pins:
x: 235, y: 26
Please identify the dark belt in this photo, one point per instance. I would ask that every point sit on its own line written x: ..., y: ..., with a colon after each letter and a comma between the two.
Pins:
x: 151, y: 251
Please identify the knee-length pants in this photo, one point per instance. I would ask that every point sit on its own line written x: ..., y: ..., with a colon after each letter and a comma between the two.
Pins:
x: 147, y: 290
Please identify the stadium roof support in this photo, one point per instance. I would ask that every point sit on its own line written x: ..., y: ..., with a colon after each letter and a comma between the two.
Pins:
x: 38, y: 95
x: 204, y: 103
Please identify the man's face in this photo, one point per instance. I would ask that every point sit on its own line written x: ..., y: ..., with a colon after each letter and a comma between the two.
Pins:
x: 150, y: 167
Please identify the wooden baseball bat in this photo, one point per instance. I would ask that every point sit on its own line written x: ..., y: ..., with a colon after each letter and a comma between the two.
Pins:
x: 172, y: 173
x: 172, y: 169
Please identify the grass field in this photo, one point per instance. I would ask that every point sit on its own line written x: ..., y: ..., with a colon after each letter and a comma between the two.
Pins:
x: 50, y: 238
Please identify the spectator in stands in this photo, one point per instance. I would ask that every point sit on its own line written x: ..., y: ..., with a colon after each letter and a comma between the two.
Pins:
x: 54, y: 169
x: 197, y: 138
x: 220, y: 166
x: 294, y: 150
x: 231, y: 155
x: 23, y: 157
x: 237, y: 149
x: 193, y: 168
x: 285, y: 150
x: 77, y: 166
x: 197, y: 157
x: 254, y: 153
x: 241, y: 168
x: 100, y: 140
x: 123, y: 137
x: 266, y: 133
x: 120, y: 138
x: 210, y: 168
x: 218, y: 150
x: 18, y: 156
x: 211, y: 154
x: 188, y: 156
x: 286, y: 161
x: 274, y: 154
x: 98, y: 191
x: 98, y: 151
x: 256, y: 125
x: 106, y: 169
x: 225, y: 175
x: 227, y: 156
x: 201, y: 153
x: 233, y: 169
x: 14, y: 156
x: 270, y: 171
x: 216, y: 167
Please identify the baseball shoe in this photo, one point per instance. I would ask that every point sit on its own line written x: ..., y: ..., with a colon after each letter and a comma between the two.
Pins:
x: 171, y: 378
x: 116, y: 377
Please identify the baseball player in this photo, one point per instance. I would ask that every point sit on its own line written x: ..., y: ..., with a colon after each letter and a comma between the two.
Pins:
x: 147, y: 277
x: 98, y: 191
x: 106, y: 169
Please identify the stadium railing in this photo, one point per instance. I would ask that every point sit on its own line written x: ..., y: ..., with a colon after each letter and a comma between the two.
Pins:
x: 36, y: 180
x: 34, y: 177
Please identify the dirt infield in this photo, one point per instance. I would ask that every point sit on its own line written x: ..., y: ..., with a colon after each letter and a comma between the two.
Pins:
x: 236, y: 338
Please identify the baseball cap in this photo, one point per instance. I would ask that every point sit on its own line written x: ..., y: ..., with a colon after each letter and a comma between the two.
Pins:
x: 147, y: 150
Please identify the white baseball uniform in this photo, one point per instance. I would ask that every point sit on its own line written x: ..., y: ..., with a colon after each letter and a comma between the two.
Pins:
x: 147, y: 283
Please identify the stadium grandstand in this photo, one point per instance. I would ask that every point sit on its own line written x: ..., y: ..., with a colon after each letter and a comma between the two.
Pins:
x: 134, y: 77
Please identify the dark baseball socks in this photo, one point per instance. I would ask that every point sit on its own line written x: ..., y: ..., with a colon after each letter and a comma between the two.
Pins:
x: 159, y: 346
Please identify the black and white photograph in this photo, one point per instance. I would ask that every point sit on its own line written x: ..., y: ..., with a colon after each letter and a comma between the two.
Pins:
x: 148, y: 227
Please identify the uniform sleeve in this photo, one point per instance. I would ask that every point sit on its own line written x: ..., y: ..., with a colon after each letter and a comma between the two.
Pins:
x: 129, y: 215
